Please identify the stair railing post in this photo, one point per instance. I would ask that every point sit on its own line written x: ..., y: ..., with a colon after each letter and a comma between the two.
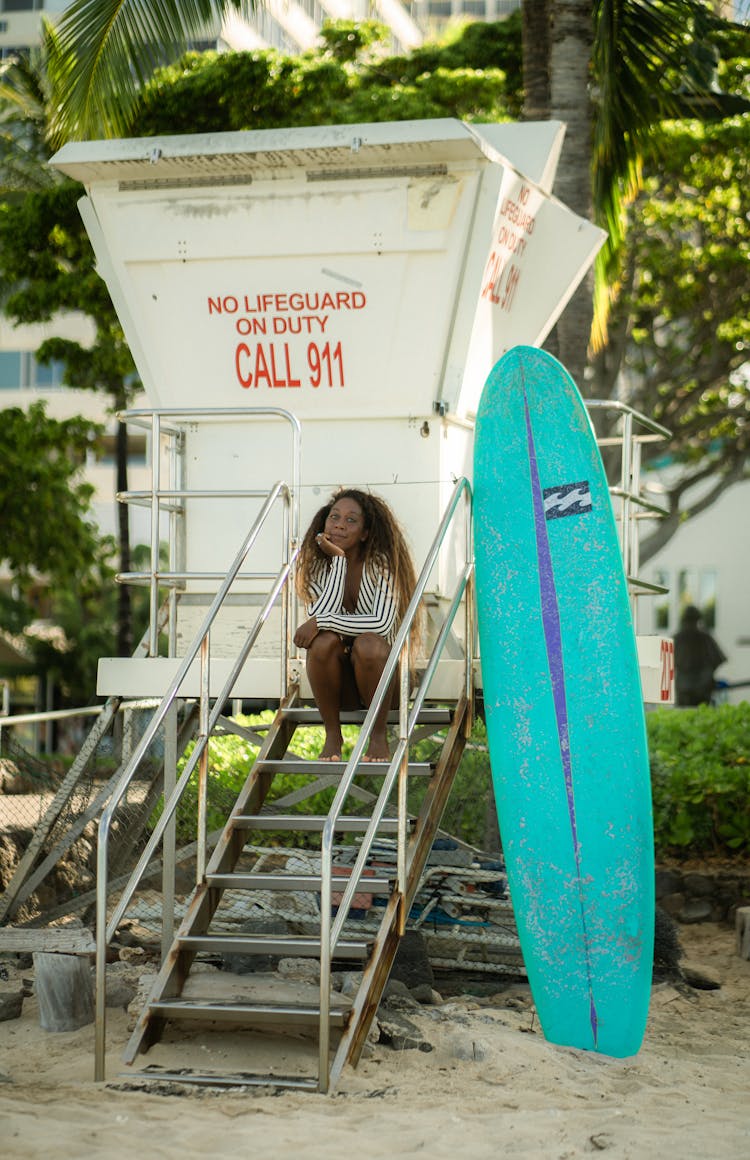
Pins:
x: 203, y: 732
x: 403, y: 780
x: 288, y: 626
x: 625, y: 484
x: 470, y: 623
x: 634, y: 552
x: 169, y: 844
x: 155, y: 512
x: 324, y: 1034
x: 100, y: 1034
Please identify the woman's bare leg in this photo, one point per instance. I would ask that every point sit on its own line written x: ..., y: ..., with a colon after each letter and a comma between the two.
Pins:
x: 369, y: 655
x: 330, y: 676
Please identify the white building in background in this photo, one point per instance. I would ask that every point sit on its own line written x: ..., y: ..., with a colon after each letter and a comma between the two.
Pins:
x: 289, y: 25
x: 707, y: 563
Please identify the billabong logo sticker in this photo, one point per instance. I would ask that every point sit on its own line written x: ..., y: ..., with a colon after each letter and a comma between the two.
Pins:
x: 570, y: 499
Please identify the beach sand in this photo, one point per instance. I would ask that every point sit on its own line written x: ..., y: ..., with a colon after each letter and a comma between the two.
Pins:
x: 492, y: 1086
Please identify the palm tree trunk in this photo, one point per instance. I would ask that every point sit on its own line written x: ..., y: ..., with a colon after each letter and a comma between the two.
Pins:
x: 535, y: 27
x: 571, y: 39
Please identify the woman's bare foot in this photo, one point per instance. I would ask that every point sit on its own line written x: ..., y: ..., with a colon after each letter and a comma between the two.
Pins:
x: 378, y: 749
x: 331, y: 750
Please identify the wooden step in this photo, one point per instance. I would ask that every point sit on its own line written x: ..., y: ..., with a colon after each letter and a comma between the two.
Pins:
x: 223, y: 1079
x: 299, y: 765
x: 67, y: 940
x: 248, y: 1014
x: 313, y: 823
x: 292, y: 882
x: 290, y: 946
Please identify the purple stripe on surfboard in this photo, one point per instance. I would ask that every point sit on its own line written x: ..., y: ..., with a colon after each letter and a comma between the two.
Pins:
x: 553, y: 642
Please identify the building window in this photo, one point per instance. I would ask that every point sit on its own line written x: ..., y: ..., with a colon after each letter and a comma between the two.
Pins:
x: 661, y: 603
x: 8, y: 51
x: 687, y: 591
x: 46, y: 376
x: 696, y: 586
x: 106, y: 450
x: 10, y: 370
x: 707, y: 597
x: 699, y: 589
x: 19, y: 371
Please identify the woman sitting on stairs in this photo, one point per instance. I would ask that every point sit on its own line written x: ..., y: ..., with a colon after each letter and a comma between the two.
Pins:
x: 356, y: 574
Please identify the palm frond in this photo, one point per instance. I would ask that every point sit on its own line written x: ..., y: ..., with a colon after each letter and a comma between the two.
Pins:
x: 644, y: 59
x: 23, y: 95
x: 23, y: 126
x: 108, y: 48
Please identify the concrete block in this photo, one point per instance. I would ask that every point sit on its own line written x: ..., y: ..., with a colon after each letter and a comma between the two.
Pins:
x: 65, y: 990
x: 742, y: 926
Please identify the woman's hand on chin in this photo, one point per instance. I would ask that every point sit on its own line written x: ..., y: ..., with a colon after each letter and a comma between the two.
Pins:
x: 327, y: 546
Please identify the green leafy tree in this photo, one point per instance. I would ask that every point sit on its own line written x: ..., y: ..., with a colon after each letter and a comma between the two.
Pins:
x: 86, y: 611
x: 477, y: 46
x: 681, y: 330
x: 47, y: 260
x: 30, y: 90
x: 214, y: 92
x: 615, y: 69
x: 654, y: 62
x: 672, y: 279
x: 46, y: 528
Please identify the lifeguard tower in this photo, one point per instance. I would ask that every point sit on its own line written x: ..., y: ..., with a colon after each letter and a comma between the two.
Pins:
x: 309, y: 308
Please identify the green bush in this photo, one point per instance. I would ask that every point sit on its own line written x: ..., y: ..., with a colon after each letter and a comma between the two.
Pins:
x: 700, y: 776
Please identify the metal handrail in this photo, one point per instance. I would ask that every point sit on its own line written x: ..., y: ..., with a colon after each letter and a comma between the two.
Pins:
x: 159, y: 499
x: 64, y: 714
x: 629, y: 491
x: 626, y: 409
x: 330, y: 932
x: 105, y: 930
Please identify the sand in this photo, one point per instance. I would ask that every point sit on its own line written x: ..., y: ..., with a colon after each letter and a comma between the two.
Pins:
x: 492, y: 1086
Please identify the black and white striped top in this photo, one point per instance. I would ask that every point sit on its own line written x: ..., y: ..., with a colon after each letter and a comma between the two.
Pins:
x: 376, y: 602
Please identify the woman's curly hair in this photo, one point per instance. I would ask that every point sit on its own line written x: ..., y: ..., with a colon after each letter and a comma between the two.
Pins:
x: 385, y: 548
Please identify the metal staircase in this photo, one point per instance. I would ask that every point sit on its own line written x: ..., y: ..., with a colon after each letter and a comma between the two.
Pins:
x: 339, y: 1023
x: 370, y: 800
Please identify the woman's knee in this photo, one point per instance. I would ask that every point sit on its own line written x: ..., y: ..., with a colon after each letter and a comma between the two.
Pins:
x: 369, y: 648
x: 326, y: 647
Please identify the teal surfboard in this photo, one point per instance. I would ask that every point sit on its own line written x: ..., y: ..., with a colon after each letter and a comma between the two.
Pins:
x: 564, y: 709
